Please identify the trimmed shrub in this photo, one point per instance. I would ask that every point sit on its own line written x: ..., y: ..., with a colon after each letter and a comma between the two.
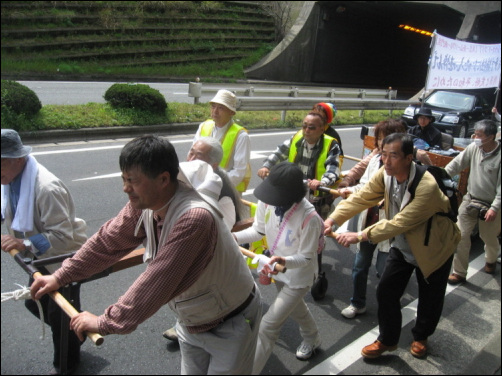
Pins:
x: 19, y: 99
x: 137, y: 96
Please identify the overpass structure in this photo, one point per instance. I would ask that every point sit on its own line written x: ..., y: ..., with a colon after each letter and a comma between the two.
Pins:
x: 370, y: 43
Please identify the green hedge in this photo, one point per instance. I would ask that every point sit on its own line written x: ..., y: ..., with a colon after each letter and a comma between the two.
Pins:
x: 136, y: 96
x: 19, y: 105
x: 19, y: 98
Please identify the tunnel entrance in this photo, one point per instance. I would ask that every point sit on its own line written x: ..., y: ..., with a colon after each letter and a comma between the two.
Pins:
x: 361, y: 44
x: 486, y: 29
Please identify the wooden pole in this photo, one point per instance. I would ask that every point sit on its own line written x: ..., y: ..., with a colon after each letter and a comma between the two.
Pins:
x: 248, y: 253
x: 58, y: 298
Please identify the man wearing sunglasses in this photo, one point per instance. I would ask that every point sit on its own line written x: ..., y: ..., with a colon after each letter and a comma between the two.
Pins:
x: 316, y: 153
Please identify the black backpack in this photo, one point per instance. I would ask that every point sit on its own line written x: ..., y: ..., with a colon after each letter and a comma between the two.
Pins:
x: 446, y: 184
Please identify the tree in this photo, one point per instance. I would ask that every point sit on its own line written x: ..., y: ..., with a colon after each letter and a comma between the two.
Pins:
x: 281, y: 12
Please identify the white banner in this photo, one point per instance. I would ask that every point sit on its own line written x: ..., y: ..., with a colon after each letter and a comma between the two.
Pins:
x: 460, y: 65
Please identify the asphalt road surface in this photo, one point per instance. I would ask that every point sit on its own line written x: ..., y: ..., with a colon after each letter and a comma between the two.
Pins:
x: 69, y: 92
x: 471, y: 317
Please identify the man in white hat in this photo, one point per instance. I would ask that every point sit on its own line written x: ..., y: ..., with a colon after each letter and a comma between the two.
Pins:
x: 39, y: 215
x: 194, y: 264
x: 233, y: 137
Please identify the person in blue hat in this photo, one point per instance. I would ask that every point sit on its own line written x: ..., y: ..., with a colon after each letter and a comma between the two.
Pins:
x: 39, y: 214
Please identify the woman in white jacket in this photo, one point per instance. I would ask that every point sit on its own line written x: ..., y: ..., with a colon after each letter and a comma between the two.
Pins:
x: 295, y: 233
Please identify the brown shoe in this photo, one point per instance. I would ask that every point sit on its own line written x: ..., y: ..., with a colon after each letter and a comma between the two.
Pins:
x: 490, y: 268
x: 455, y: 279
x: 418, y: 348
x: 376, y: 349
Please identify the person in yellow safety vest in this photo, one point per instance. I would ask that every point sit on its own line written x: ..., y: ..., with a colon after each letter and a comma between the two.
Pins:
x: 233, y: 137
x: 329, y: 110
x: 317, y: 155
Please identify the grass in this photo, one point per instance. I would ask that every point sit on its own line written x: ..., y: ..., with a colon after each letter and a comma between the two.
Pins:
x: 44, y: 62
x: 12, y: 63
x: 94, y: 115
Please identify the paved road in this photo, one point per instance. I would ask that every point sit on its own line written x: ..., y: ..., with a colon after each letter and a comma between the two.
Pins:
x: 69, y: 92
x: 468, y: 329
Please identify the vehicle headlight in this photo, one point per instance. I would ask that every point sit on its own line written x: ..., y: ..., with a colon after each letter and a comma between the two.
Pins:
x: 450, y: 119
x: 410, y: 111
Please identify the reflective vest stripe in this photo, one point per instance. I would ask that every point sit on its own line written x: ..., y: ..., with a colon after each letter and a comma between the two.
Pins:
x: 228, y: 143
x: 320, y: 168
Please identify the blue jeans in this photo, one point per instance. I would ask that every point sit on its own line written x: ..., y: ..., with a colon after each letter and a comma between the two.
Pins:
x: 362, y: 263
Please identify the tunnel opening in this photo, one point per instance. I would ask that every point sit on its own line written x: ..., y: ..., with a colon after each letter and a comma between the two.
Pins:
x: 361, y: 43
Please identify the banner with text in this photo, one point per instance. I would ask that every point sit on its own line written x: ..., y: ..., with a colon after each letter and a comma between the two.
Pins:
x: 461, y: 65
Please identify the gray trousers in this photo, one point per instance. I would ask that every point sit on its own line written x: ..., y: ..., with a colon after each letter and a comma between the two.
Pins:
x: 488, y: 232
x: 289, y: 303
x: 227, y: 349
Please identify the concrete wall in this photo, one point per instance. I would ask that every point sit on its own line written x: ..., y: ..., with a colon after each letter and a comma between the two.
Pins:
x: 359, y: 43
x: 292, y: 58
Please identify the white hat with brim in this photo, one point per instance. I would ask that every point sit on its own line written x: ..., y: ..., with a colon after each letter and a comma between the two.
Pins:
x: 225, y: 98
x: 200, y: 176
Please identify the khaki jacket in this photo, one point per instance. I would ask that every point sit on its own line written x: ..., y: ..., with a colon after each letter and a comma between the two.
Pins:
x: 412, y: 220
x: 54, y: 217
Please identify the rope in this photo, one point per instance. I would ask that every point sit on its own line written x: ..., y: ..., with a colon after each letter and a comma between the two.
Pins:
x: 24, y: 294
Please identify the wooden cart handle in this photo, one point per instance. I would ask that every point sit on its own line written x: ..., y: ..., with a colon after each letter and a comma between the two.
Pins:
x: 64, y: 304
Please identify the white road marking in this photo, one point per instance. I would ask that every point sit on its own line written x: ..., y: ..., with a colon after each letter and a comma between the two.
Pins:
x: 347, y: 356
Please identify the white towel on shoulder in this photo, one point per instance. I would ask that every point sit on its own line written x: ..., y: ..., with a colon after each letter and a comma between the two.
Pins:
x: 23, y: 218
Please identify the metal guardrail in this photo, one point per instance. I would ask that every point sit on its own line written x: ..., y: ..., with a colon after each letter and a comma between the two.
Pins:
x: 272, y: 97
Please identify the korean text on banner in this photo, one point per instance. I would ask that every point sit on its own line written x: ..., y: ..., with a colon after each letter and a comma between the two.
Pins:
x: 461, y: 65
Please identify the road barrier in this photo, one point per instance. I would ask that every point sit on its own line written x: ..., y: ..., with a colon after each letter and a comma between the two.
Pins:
x: 277, y: 97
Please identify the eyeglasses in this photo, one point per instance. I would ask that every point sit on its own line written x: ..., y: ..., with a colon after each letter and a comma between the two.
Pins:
x: 310, y: 127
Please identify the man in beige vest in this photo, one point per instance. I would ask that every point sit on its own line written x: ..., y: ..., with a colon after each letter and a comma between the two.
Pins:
x: 210, y: 288
x: 39, y: 215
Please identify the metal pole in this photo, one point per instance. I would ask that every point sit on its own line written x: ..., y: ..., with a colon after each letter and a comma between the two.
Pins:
x: 433, y: 43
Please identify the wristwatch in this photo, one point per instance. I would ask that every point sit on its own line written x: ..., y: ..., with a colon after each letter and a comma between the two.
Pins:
x: 360, y: 236
x: 27, y: 244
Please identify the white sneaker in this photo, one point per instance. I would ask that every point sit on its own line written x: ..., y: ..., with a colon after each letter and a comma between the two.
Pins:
x: 305, y: 351
x: 171, y: 334
x: 350, y: 312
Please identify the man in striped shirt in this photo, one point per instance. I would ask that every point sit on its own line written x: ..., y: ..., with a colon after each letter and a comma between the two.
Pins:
x: 194, y: 265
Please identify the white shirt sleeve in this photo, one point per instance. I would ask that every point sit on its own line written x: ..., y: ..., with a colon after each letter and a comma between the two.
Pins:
x: 257, y: 230
x: 227, y: 208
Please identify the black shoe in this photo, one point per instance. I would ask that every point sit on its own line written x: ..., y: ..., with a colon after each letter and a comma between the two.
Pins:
x: 57, y: 370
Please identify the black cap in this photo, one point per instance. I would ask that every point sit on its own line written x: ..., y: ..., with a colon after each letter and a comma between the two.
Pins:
x: 283, y: 186
x: 425, y: 112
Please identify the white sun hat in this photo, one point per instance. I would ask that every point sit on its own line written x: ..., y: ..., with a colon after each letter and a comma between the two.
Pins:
x: 225, y: 98
x: 200, y: 176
